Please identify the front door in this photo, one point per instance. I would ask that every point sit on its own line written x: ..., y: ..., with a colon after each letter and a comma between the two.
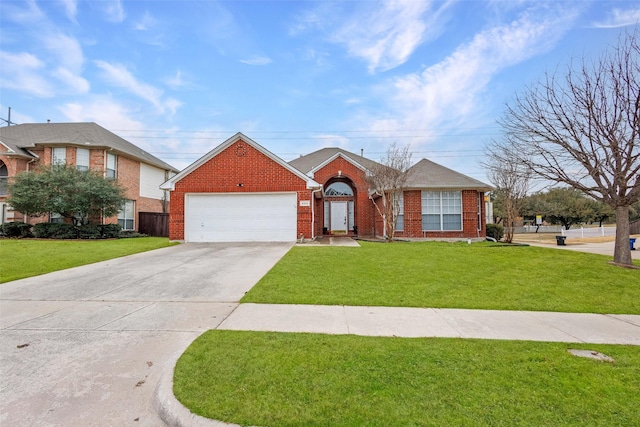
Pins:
x: 338, y: 217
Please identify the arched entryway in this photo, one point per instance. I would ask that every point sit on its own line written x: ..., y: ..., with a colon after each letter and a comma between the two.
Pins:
x: 339, y: 207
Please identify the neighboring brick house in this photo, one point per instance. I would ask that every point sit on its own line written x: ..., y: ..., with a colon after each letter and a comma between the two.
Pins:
x: 240, y: 191
x: 88, y: 146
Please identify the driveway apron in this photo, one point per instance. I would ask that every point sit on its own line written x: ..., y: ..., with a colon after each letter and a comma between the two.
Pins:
x: 86, y: 346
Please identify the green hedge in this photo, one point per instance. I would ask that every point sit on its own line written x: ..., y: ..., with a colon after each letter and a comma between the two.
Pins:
x: 47, y: 230
x: 495, y: 230
x: 16, y: 229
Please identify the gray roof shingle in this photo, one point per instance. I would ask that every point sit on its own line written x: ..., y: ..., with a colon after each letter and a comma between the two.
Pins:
x: 427, y: 174
x: 424, y: 175
x: 19, y: 138
x: 307, y: 163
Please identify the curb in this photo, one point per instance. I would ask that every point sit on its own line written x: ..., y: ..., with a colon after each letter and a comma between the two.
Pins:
x: 171, y: 411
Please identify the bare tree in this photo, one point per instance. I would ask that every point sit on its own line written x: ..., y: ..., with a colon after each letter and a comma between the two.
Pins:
x: 583, y: 130
x: 511, y: 181
x: 388, y: 179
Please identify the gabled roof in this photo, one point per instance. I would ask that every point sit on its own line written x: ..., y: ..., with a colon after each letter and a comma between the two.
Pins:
x: 314, y: 161
x: 170, y: 184
x: 20, y: 138
x: 427, y: 174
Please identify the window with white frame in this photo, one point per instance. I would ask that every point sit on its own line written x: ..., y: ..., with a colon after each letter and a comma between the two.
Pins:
x: 112, y: 162
x: 59, y: 156
x: 400, y: 221
x: 441, y: 211
x: 82, y: 159
x: 339, y: 189
x: 126, y: 215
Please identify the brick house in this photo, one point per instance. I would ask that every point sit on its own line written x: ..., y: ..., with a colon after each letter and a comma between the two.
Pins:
x: 88, y: 146
x: 240, y: 191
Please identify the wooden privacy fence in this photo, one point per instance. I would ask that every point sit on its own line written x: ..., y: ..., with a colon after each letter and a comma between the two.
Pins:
x: 154, y: 224
x: 634, y: 227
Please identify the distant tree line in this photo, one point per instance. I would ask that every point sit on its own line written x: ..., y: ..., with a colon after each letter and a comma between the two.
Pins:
x: 559, y: 206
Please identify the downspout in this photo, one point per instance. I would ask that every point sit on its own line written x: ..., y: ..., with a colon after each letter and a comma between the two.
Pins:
x: 313, y: 213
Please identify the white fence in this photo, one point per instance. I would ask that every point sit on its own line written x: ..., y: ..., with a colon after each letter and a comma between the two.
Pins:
x: 573, y: 232
x: 536, y: 229
x: 590, y: 232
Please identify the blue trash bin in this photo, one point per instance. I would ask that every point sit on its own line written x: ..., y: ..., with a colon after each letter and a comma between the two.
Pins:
x: 632, y: 241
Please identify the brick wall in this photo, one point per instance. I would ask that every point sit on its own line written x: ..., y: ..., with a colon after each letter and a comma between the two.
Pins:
x: 239, y: 168
x: 128, y: 176
x: 413, y: 217
x: 364, y: 211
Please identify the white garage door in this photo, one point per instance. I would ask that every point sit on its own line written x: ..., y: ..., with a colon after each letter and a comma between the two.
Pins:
x: 241, y: 217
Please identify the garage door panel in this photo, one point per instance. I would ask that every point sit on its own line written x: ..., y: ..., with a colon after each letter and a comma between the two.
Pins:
x: 241, y: 217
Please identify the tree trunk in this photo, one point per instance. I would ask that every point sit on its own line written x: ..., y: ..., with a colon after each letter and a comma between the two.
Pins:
x: 622, y: 252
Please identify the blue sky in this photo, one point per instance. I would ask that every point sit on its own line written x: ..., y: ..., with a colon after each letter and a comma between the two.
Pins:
x: 179, y: 77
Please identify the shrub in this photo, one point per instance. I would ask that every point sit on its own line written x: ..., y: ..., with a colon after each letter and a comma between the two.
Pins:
x: 130, y: 233
x: 69, y: 231
x: 52, y: 230
x: 109, y: 231
x: 16, y: 229
x: 495, y: 230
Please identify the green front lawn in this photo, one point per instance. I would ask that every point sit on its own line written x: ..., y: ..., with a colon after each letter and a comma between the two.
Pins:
x: 278, y: 379
x: 453, y: 275
x: 22, y: 258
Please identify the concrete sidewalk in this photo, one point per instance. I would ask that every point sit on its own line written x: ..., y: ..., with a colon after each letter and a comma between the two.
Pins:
x: 438, y: 322
x: 600, y: 248
x: 410, y: 323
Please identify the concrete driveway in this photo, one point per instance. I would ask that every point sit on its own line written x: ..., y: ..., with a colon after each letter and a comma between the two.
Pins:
x: 86, y: 346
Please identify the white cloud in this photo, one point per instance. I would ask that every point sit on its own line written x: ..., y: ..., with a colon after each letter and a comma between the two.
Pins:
x: 172, y: 104
x: 67, y: 50
x: 114, y: 11
x: 29, y: 15
x: 175, y: 82
x: 59, y: 56
x: 449, y: 94
x: 146, y: 23
x: 118, y: 75
x: 318, y: 18
x: 387, y: 36
x: 103, y: 111
x: 71, y: 9
x: 620, y: 18
x: 256, y: 60
x: 22, y: 72
x: 77, y: 83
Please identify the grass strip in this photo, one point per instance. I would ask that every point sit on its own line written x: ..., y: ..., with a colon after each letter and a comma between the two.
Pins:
x: 22, y: 258
x: 452, y: 275
x: 278, y: 379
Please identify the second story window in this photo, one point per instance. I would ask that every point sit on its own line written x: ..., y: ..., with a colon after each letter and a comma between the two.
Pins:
x: 112, y: 161
x: 59, y: 156
x: 82, y: 159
